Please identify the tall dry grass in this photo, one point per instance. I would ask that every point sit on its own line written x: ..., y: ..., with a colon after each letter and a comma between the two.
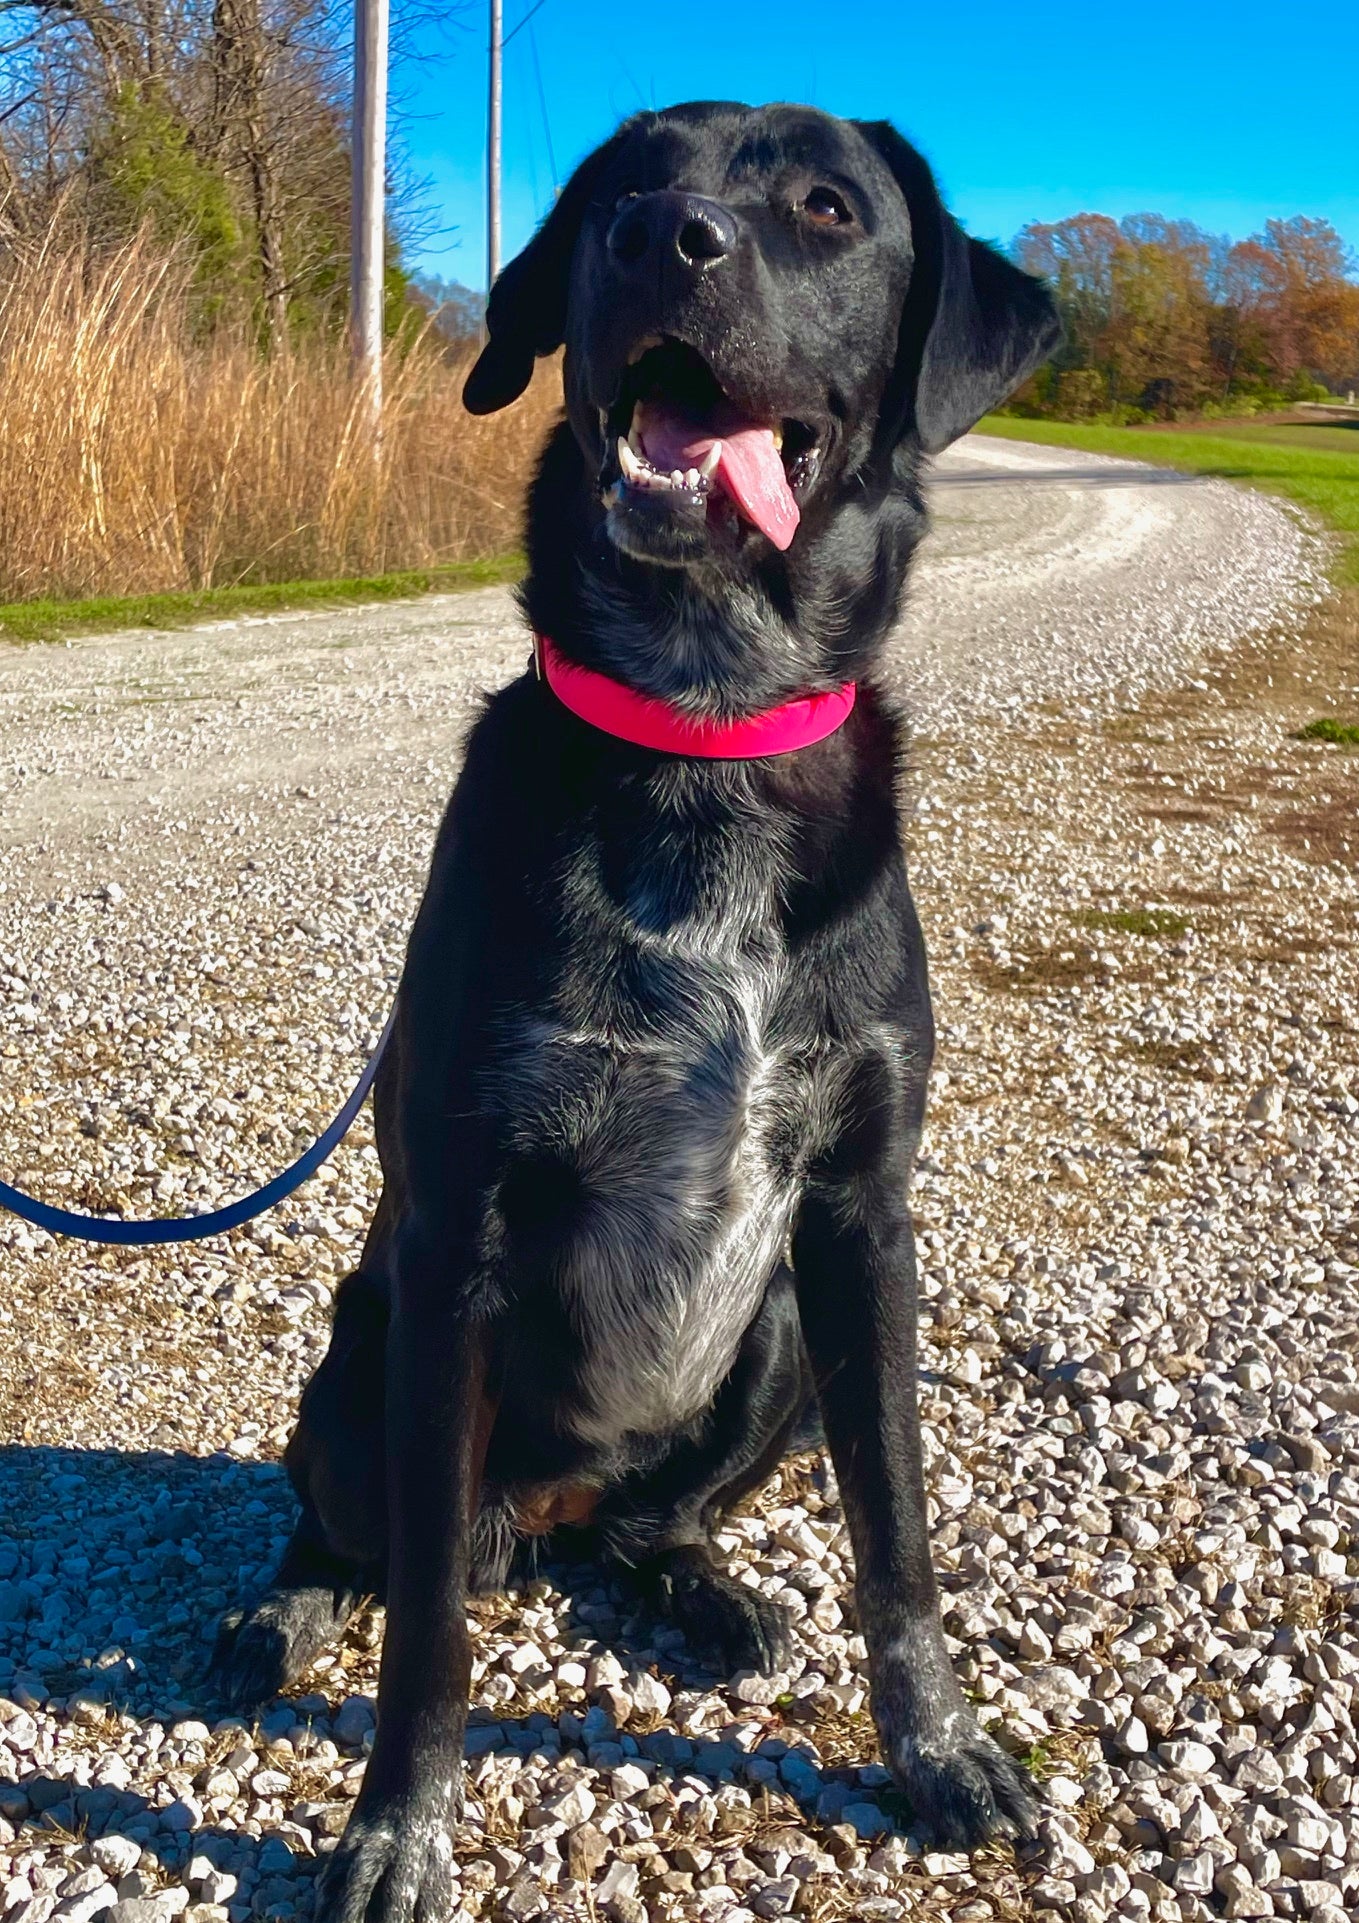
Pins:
x: 139, y: 452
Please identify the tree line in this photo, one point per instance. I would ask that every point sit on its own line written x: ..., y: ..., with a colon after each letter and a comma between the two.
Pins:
x: 218, y: 127
x: 1163, y: 319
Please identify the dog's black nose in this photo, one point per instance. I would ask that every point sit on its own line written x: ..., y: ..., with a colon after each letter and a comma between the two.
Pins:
x: 695, y: 231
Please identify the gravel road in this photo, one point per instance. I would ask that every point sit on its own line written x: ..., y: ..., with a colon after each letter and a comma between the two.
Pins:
x: 1139, y: 1221
x: 111, y: 736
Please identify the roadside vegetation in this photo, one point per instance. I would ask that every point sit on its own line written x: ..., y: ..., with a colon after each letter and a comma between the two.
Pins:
x: 177, y: 413
x: 141, y: 453
x: 50, y: 620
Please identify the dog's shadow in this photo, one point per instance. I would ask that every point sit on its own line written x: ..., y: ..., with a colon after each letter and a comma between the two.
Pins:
x: 140, y: 1553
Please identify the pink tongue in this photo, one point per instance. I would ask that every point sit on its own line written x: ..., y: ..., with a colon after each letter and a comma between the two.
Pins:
x: 749, y: 468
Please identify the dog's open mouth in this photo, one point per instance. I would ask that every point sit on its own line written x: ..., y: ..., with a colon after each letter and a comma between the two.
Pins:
x: 675, y: 431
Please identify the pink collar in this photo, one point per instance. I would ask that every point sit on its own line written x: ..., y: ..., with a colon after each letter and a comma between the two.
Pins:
x: 648, y: 722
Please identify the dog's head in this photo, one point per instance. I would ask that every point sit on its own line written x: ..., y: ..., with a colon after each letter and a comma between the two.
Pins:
x: 768, y: 318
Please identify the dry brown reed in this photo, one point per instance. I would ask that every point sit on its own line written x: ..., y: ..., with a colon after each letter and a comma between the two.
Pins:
x: 142, y: 451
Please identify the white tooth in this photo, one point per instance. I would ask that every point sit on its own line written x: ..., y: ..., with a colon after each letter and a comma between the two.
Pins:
x: 677, y: 477
x: 691, y: 478
x: 707, y: 467
x: 628, y: 461
x: 778, y: 438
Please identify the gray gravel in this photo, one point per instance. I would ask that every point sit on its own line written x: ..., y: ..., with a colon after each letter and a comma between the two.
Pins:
x: 1052, y: 572
x: 1139, y: 1222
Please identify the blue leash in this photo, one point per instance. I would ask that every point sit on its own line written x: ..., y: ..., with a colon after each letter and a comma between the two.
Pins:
x: 192, y: 1228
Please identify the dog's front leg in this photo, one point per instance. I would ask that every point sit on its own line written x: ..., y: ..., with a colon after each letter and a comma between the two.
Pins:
x: 854, y: 1257
x: 394, y: 1860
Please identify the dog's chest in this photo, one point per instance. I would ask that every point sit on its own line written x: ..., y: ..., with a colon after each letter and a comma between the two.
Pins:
x: 682, y: 1105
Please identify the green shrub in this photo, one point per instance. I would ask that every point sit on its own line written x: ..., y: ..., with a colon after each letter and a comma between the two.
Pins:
x: 1344, y: 734
x: 1303, y: 387
x: 144, y: 171
x: 1079, y: 393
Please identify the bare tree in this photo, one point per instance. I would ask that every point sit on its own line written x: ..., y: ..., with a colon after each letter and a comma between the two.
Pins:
x: 169, y: 97
x: 239, y: 138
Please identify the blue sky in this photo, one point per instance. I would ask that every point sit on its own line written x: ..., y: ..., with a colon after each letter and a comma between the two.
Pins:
x: 1223, y: 114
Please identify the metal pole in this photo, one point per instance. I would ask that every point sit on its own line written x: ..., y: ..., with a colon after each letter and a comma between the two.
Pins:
x: 493, y: 148
x: 369, y: 143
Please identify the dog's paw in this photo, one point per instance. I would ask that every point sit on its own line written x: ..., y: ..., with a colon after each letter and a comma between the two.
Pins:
x: 260, y: 1651
x: 720, y: 1617
x: 394, y: 1862
x: 749, y: 1631
x: 963, y: 1788
x: 249, y: 1658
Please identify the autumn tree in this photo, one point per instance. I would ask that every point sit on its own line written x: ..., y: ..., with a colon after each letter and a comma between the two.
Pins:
x: 1076, y: 257
x: 1305, y: 304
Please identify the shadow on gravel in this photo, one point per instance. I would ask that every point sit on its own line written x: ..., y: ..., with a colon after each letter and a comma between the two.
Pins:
x: 1075, y: 477
x: 114, y: 1569
x: 146, y: 1847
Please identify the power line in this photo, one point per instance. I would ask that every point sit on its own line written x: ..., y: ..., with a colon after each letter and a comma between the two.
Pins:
x: 524, y: 22
x: 542, y: 103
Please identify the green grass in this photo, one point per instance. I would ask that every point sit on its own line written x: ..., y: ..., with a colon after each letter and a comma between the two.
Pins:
x: 1339, y: 439
x: 1345, y: 734
x: 54, y: 620
x: 1322, y: 478
x: 1153, y: 924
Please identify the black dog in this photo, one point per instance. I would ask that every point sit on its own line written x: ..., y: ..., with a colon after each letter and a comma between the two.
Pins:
x: 648, y: 1120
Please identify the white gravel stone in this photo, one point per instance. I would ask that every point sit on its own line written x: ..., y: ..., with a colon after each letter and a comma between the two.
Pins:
x: 619, y: 1880
x: 574, y: 1805
x: 115, y: 1854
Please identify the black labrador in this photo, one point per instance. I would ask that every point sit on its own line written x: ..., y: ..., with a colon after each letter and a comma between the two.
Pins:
x: 648, y: 1119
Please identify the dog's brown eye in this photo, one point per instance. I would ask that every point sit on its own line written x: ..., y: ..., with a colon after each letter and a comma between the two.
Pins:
x: 825, y: 207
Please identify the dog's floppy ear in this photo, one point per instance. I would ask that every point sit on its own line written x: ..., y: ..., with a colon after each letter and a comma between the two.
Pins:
x: 973, y: 326
x: 526, y: 314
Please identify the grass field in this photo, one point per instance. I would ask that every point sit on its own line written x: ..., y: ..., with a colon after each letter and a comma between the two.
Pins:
x: 1325, y: 437
x: 53, y: 620
x: 1312, y: 465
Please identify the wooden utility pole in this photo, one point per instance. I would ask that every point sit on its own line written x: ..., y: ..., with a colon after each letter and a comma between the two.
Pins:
x: 369, y: 144
x: 493, y: 148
